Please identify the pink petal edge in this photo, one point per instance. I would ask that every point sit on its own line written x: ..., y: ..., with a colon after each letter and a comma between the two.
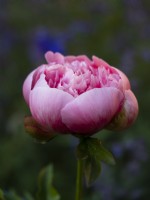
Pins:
x: 46, y: 104
x: 127, y: 115
x: 27, y: 86
x: 92, y: 110
x: 131, y: 107
x: 125, y: 80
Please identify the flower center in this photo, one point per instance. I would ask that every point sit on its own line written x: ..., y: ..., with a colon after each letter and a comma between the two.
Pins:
x: 78, y: 77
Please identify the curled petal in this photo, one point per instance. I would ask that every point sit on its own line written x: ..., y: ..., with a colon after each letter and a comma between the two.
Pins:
x: 37, y: 75
x: 99, y: 62
x: 46, y: 104
x: 125, y: 80
x: 84, y: 58
x: 128, y: 113
x: 69, y: 59
x: 54, y: 57
x: 92, y: 110
x: 27, y: 86
x: 80, y: 58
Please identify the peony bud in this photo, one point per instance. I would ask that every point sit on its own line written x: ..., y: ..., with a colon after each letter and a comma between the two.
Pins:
x: 36, y: 130
x: 127, y: 115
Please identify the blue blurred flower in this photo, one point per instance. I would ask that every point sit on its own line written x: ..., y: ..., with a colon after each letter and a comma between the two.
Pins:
x: 43, y: 40
x: 46, y: 41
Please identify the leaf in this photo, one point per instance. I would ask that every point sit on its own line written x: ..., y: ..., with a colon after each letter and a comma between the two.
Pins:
x: 45, y: 189
x: 82, y: 152
x: 106, y: 156
x: 92, y: 169
x: 1, y: 195
x: 99, y: 152
x: 91, y: 151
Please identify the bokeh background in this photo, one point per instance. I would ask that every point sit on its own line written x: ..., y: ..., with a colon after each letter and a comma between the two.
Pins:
x: 117, y: 31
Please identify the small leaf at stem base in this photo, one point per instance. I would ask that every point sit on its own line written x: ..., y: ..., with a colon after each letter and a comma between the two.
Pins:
x: 92, y: 169
x: 92, y: 152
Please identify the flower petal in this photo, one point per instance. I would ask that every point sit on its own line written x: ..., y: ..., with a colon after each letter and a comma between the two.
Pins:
x: 46, y: 104
x: 27, y: 86
x: 54, y: 57
x: 125, y: 80
x: 92, y: 110
x: 128, y: 113
x: 99, y: 62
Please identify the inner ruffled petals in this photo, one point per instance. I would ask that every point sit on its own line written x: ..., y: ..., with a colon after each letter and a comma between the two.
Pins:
x: 54, y: 74
x: 78, y: 76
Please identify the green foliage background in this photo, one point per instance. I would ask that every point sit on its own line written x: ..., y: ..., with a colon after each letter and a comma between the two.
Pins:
x: 115, y: 30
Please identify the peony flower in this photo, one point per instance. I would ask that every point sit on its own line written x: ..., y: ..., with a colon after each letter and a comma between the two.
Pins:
x: 73, y: 94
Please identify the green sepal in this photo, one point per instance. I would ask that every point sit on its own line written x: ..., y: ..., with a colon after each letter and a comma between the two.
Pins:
x: 92, y: 152
x: 45, y: 189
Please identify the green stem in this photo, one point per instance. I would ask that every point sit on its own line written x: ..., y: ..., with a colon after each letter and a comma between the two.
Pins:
x: 79, y: 179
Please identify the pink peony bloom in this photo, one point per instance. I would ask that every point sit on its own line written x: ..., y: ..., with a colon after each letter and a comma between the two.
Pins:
x: 73, y: 94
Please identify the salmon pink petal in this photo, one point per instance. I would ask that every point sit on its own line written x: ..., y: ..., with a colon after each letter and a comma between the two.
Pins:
x: 46, y: 104
x: 54, y: 57
x: 92, y: 110
x: 80, y: 58
x: 69, y: 59
x: 84, y: 58
x: 27, y: 86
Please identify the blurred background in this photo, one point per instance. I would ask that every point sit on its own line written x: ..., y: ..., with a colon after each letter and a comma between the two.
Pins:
x: 117, y: 31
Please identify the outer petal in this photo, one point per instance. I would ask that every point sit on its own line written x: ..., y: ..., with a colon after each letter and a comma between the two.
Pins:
x: 125, y: 80
x: 27, y: 86
x: 46, y: 104
x: 128, y: 113
x: 99, y: 62
x: 92, y: 110
x: 37, y: 74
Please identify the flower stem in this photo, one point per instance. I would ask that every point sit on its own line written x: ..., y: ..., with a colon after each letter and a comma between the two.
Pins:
x: 79, y: 179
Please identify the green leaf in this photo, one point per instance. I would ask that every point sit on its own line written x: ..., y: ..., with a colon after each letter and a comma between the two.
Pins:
x: 45, y: 189
x: 91, y: 151
x: 92, y: 169
x: 82, y: 152
x: 1, y: 195
x: 97, y: 150
x: 106, y: 156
